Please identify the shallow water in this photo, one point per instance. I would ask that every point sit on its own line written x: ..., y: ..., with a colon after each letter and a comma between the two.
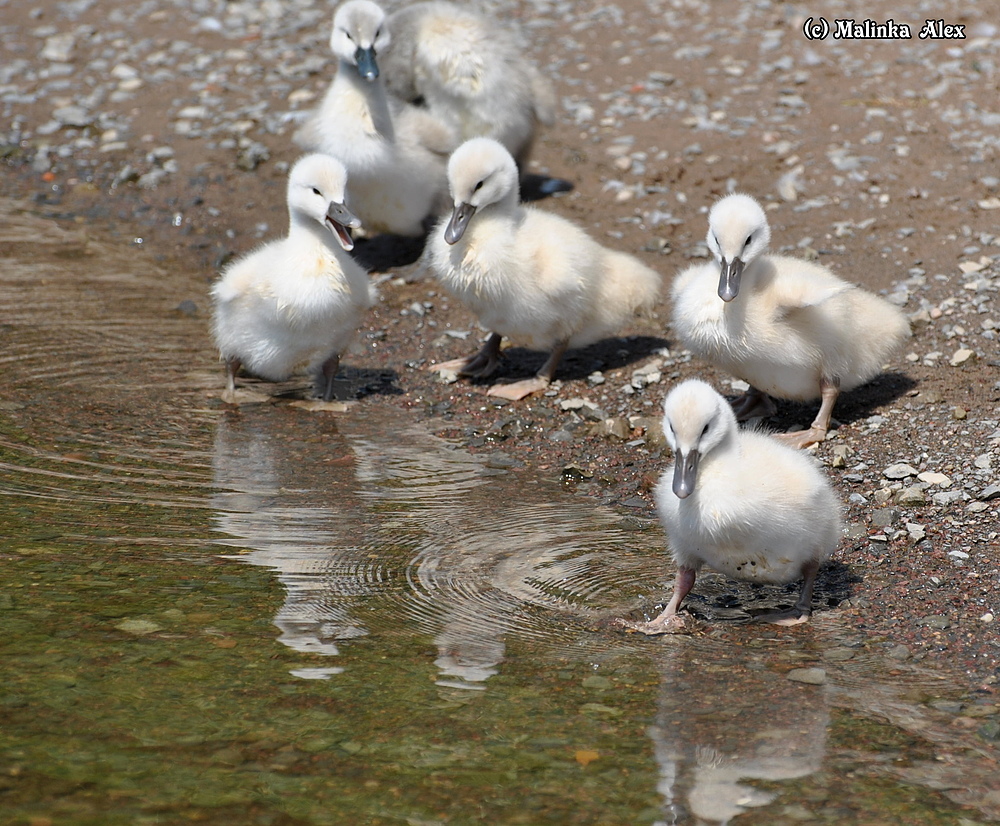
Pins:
x: 281, y: 616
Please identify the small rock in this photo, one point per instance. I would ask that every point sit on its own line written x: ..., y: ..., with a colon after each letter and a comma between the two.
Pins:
x: 911, y: 496
x: 899, y: 653
x: 855, y: 531
x: 138, y: 627
x: 840, y: 455
x: 883, y: 496
x: 947, y: 497
x: 572, y: 404
x: 73, y: 116
x: 937, y: 622
x: 932, y: 478
x: 989, y: 493
x: 59, y: 47
x: 885, y: 517
x: 962, y: 356
x: 959, y: 413
x: 916, y: 532
x: 839, y: 655
x: 990, y: 730
x: 900, y: 470
x: 252, y: 155
x: 577, y: 473
x: 809, y: 676
x: 616, y: 428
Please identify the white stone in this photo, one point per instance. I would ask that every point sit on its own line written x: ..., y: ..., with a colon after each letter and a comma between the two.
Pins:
x: 962, y: 356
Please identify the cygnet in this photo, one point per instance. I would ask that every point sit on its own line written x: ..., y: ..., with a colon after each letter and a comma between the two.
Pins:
x: 471, y: 71
x: 788, y: 327
x: 740, y: 502
x: 395, y: 154
x: 525, y: 273
x: 299, y: 298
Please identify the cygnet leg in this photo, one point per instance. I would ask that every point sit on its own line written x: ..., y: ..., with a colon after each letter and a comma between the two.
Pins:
x: 329, y: 372
x: 753, y: 404
x: 802, y: 610
x: 232, y: 368
x: 519, y: 389
x: 669, y: 622
x: 829, y: 390
x: 482, y: 364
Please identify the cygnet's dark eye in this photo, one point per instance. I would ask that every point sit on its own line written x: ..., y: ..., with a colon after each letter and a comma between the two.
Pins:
x: 478, y: 186
x: 347, y: 34
x: 316, y: 191
x: 749, y: 239
x: 704, y: 430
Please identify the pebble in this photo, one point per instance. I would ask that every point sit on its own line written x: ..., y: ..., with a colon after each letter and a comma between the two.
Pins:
x: 947, y: 497
x: 937, y: 623
x: 989, y: 493
x: 899, y: 653
x: 73, y: 116
x: 962, y: 356
x: 576, y: 472
x: 138, y: 627
x: 900, y: 470
x: 615, y: 428
x: 885, y: 517
x: 916, y: 531
x: 911, y: 496
x: 809, y: 676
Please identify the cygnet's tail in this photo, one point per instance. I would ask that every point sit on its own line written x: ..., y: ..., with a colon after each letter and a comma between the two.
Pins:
x: 629, y: 286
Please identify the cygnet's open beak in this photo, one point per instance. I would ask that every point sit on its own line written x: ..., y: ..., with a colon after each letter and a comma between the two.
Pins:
x: 685, y: 473
x: 729, y: 279
x: 339, y: 218
x: 459, y: 221
x: 365, y: 60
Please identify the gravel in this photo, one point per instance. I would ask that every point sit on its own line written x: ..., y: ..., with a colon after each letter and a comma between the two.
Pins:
x: 169, y: 126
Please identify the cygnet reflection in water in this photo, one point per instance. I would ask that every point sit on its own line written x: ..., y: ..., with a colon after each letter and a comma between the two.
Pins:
x: 415, y: 542
x: 710, y: 740
x: 262, y: 506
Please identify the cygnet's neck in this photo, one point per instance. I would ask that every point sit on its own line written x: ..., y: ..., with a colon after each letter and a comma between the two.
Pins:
x: 302, y: 226
x: 507, y: 208
x: 372, y: 93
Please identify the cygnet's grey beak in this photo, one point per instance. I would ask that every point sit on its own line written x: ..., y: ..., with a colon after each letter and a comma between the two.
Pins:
x: 459, y: 222
x: 365, y: 60
x: 339, y: 218
x: 685, y: 473
x: 729, y: 279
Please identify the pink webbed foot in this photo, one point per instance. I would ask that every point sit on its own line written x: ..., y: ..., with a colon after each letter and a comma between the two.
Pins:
x: 515, y: 391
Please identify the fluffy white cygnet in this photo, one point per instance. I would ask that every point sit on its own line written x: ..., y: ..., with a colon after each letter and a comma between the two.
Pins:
x: 469, y: 70
x: 299, y: 298
x: 789, y: 328
x: 395, y: 154
x: 527, y: 274
x: 740, y: 502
